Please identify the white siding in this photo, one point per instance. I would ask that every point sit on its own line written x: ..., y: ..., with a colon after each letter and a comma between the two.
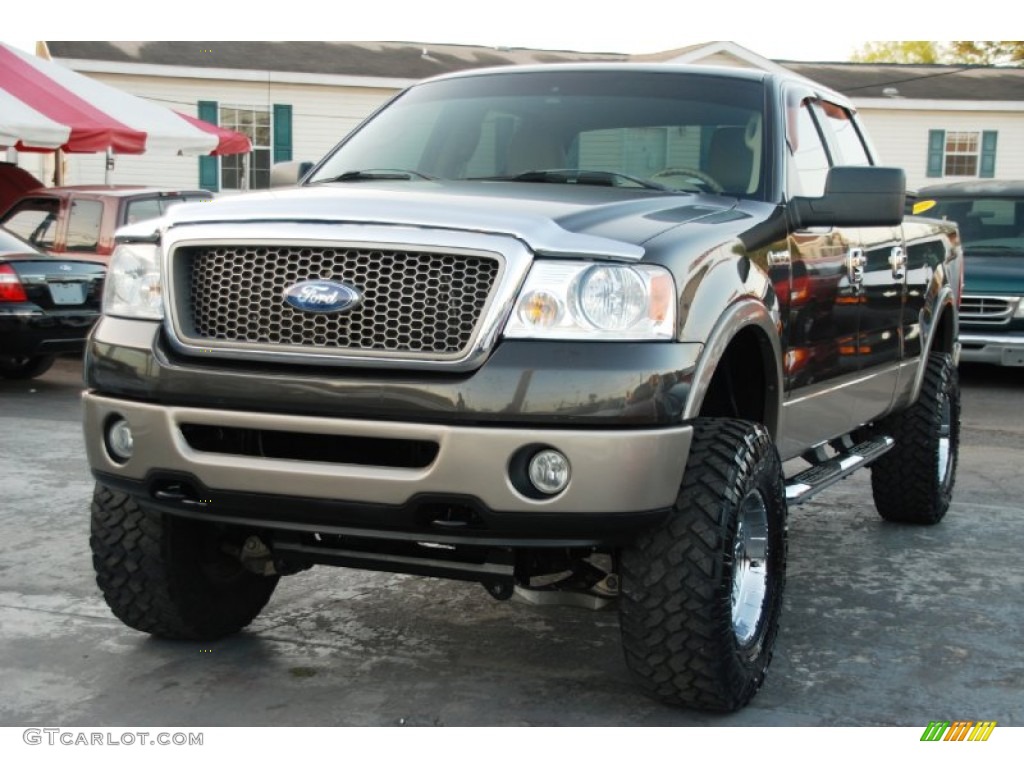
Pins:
x: 901, y: 139
x: 321, y: 116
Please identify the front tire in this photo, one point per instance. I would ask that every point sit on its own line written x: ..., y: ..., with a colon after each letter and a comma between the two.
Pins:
x: 169, y: 576
x: 702, y: 592
x: 913, y: 483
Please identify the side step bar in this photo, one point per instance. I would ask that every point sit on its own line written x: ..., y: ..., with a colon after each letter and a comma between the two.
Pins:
x: 804, y: 485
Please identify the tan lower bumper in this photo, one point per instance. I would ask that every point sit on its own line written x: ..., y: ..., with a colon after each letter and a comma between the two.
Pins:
x: 612, y: 471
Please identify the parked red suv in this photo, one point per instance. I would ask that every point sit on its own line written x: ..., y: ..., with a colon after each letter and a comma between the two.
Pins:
x: 82, y: 219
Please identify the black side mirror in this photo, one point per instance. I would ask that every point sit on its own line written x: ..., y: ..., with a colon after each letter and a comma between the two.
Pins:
x: 855, y: 196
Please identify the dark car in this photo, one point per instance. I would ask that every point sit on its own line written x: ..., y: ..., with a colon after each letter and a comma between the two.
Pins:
x: 47, y: 306
x: 991, y: 219
x: 82, y: 219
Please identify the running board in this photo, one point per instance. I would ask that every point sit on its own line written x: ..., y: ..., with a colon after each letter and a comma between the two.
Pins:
x: 804, y: 485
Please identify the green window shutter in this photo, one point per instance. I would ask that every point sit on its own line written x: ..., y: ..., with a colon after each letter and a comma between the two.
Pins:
x: 282, y: 133
x: 209, y: 167
x: 988, y: 154
x: 936, y: 150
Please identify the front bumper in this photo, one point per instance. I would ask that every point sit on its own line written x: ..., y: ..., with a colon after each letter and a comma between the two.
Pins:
x: 995, y: 348
x: 615, y: 473
x: 387, y: 452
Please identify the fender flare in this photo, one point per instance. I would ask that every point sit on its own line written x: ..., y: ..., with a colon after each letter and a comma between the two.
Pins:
x: 944, y: 302
x: 745, y: 313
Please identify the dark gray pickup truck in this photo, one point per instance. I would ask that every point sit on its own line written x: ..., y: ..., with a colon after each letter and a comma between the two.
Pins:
x: 564, y: 331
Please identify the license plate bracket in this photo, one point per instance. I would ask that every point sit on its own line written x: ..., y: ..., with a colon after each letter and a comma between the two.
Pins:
x: 67, y: 294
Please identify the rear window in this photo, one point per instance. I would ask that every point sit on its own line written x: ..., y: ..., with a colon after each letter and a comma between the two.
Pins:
x: 154, y: 207
x: 993, y: 223
x: 35, y: 220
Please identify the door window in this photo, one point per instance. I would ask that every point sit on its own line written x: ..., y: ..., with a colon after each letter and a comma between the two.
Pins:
x: 809, y: 160
x: 35, y: 221
x: 84, y: 225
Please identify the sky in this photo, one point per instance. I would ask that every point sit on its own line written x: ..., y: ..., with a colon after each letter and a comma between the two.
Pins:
x: 809, y: 30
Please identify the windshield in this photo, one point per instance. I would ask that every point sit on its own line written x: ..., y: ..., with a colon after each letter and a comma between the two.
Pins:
x: 989, y: 224
x: 681, y: 131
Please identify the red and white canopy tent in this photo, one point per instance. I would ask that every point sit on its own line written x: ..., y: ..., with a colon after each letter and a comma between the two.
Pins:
x: 46, y: 107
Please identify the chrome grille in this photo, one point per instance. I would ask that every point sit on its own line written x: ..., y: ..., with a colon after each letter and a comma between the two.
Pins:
x: 414, y: 302
x: 987, y: 310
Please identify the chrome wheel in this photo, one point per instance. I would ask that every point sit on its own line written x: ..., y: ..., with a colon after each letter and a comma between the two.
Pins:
x: 945, y: 443
x: 749, y: 567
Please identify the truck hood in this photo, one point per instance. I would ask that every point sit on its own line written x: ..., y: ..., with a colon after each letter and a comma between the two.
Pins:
x: 994, y: 275
x: 553, y: 219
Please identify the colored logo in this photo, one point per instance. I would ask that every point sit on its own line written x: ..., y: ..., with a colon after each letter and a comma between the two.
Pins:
x: 959, y: 730
x: 322, y: 296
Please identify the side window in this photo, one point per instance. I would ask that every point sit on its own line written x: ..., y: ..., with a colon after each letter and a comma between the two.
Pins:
x: 809, y: 165
x: 848, y: 143
x: 140, y: 210
x: 35, y: 221
x: 84, y: 225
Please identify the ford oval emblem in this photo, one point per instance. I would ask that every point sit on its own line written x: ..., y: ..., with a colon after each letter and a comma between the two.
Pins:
x: 322, y: 296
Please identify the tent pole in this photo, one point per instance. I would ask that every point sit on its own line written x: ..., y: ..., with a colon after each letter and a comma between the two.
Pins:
x: 58, y: 168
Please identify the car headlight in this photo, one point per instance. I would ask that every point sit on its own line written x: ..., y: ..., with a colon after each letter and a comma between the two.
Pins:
x: 133, y: 287
x: 583, y: 300
x: 1019, y: 312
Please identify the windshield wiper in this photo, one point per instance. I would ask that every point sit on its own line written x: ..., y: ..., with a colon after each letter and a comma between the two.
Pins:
x: 378, y: 174
x: 576, y: 176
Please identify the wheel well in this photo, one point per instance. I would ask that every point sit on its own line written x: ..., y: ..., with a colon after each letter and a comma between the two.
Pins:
x: 943, y: 334
x: 743, y: 385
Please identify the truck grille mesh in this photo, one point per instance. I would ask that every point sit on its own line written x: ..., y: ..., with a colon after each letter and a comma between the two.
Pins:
x: 413, y: 302
x: 987, y: 310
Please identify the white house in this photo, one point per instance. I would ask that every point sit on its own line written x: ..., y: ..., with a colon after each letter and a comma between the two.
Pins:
x: 296, y: 100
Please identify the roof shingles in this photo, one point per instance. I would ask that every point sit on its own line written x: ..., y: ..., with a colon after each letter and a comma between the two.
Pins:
x: 411, y: 60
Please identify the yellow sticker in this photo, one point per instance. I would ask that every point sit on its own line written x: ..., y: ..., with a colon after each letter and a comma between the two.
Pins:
x: 923, y: 205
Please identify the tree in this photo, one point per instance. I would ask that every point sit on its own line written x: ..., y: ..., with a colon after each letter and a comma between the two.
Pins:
x: 987, y: 52
x: 899, y: 52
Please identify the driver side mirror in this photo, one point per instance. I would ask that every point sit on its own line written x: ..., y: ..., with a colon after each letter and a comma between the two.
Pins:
x: 855, y: 196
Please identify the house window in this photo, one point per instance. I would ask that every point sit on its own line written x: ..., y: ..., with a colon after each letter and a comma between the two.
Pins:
x: 970, y: 154
x: 961, y: 158
x: 254, y: 122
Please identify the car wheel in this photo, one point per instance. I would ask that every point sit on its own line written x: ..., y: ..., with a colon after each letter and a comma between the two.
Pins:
x: 25, y: 367
x: 702, y: 592
x: 170, y: 576
x: 913, y: 482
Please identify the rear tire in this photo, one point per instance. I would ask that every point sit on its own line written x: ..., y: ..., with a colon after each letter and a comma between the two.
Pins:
x: 25, y: 367
x: 913, y: 483
x: 702, y: 593
x: 168, y: 575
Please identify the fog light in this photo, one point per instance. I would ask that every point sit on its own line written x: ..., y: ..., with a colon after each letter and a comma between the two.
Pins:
x: 549, y: 471
x: 120, y: 442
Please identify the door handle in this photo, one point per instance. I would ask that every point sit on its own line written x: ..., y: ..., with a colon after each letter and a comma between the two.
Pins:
x: 898, y: 262
x: 855, y: 263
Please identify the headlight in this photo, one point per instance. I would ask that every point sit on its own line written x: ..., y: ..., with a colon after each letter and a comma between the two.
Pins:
x: 1020, y: 308
x: 133, y: 286
x: 583, y: 300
